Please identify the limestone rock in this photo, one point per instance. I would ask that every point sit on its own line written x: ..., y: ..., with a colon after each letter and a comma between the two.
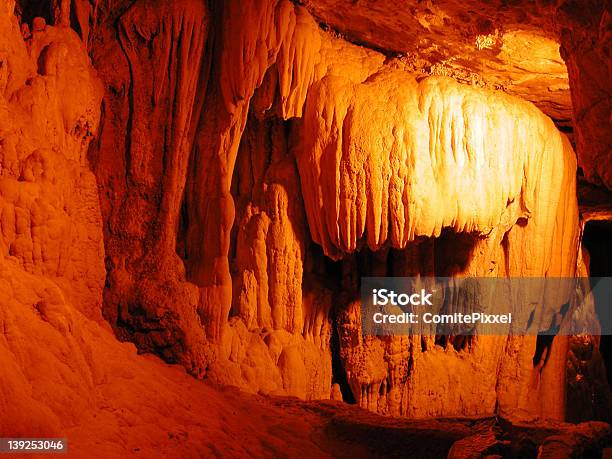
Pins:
x: 585, y: 42
x: 141, y: 180
x: 389, y: 160
x: 509, y: 46
x: 213, y: 257
x: 217, y: 187
x: 50, y: 213
x: 63, y: 372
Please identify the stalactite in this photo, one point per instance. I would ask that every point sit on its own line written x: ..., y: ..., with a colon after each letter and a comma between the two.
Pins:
x: 383, y: 160
x: 218, y: 186
x: 406, y: 177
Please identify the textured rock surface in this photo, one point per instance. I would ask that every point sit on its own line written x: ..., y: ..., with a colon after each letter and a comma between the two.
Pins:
x: 63, y: 372
x: 141, y: 179
x: 383, y: 160
x: 391, y: 160
x: 513, y: 46
x: 251, y: 166
x: 497, y: 44
x: 49, y: 207
x: 585, y: 38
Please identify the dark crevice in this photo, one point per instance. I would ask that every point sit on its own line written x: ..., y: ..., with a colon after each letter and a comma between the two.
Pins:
x: 505, y: 243
x: 453, y: 252
x: 74, y: 21
x: 27, y: 10
x: 459, y: 342
x: 542, y: 350
x: 597, y: 239
x: 181, y: 234
x: 42, y: 59
x: 338, y: 373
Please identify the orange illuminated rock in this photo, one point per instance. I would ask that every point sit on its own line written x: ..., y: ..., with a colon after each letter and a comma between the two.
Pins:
x: 585, y: 42
x: 391, y: 160
x: 216, y: 188
x: 63, y: 372
x: 50, y: 215
x: 153, y: 99
x: 226, y: 280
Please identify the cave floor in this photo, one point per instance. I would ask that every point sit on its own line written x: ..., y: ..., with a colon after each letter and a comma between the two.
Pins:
x: 157, y: 410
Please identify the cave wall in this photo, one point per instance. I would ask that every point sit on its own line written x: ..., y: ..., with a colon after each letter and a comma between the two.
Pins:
x: 585, y: 44
x: 50, y: 218
x: 390, y: 160
x: 250, y: 167
x: 150, y: 61
x: 63, y: 372
x: 52, y: 254
x: 210, y: 249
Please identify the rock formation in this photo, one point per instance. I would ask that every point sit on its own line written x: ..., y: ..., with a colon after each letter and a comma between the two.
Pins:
x: 382, y: 161
x: 585, y: 40
x: 210, y: 180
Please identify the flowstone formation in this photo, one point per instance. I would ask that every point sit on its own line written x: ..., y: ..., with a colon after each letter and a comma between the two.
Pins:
x: 283, y: 139
x: 64, y: 374
x: 210, y: 181
x: 51, y: 257
x: 391, y: 162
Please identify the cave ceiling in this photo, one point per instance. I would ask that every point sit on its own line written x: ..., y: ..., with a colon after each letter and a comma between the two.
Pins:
x: 507, y: 45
